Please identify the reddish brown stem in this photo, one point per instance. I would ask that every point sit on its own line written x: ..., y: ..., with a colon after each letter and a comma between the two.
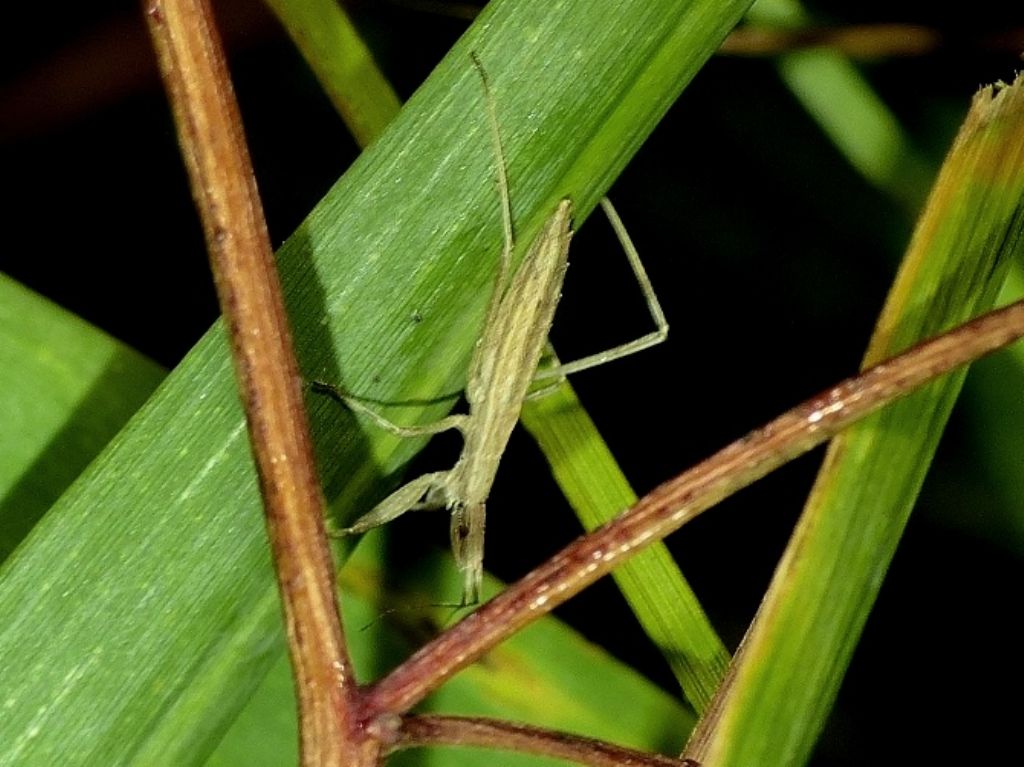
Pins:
x: 490, y: 733
x: 210, y: 132
x: 676, y: 502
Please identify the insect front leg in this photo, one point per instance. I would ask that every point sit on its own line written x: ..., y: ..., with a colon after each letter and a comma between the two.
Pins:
x: 426, y: 492
x: 456, y: 421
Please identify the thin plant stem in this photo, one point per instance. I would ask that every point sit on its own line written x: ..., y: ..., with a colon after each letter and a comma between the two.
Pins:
x: 210, y: 132
x: 427, y: 730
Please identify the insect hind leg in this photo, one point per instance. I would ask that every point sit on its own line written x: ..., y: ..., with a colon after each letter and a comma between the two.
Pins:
x: 655, y: 337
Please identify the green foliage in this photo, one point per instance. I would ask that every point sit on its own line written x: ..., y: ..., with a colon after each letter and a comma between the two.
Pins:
x: 140, y: 614
x: 142, y: 610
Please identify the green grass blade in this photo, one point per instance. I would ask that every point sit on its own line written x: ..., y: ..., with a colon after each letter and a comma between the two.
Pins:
x: 342, y: 63
x: 996, y: 424
x: 660, y: 597
x: 65, y: 390
x: 790, y: 665
x: 653, y: 585
x: 141, y: 613
x: 840, y: 99
x: 848, y: 110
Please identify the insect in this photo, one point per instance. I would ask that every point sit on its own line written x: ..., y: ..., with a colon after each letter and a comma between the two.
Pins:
x: 504, y: 365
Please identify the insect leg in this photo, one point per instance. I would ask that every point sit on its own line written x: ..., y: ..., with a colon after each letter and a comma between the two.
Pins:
x: 654, y: 307
x: 457, y: 421
x: 408, y: 497
x: 506, y: 206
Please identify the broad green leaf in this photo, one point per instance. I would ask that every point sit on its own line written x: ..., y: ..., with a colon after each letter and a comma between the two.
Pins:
x: 584, y: 695
x: 141, y: 613
x: 791, y: 662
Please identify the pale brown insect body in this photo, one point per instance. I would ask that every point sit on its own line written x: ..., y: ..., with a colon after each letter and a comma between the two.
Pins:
x: 504, y: 365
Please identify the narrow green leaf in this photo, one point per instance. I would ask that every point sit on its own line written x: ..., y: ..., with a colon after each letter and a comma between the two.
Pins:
x: 141, y: 613
x: 840, y: 99
x: 342, y: 63
x: 790, y: 665
x: 848, y: 110
x: 996, y: 424
x: 652, y: 583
